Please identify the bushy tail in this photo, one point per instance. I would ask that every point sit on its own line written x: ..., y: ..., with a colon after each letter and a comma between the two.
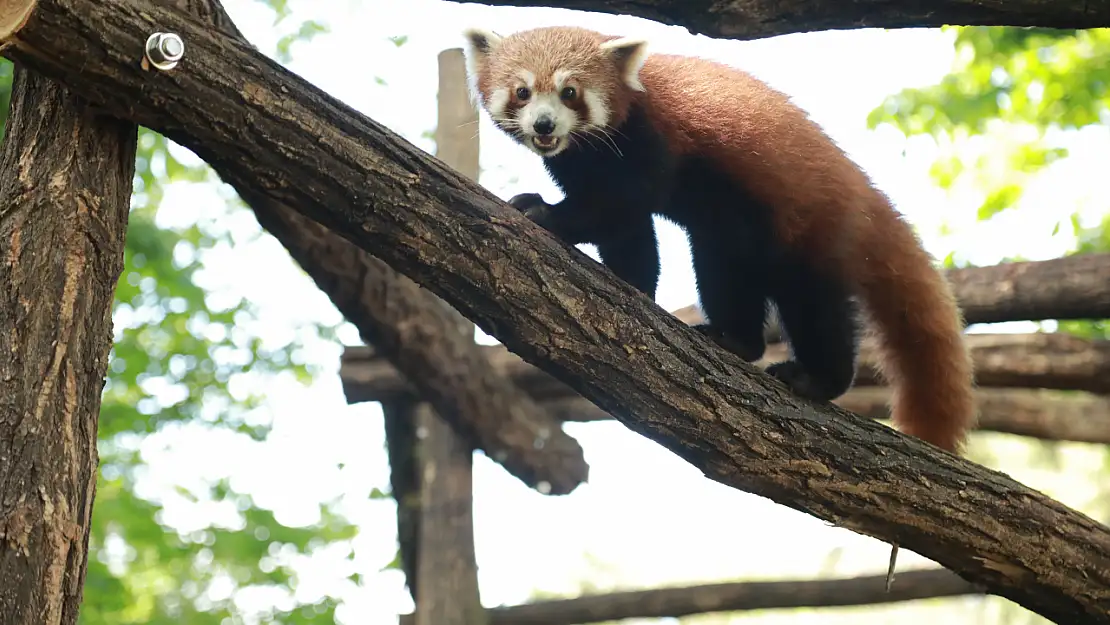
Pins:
x: 919, y: 333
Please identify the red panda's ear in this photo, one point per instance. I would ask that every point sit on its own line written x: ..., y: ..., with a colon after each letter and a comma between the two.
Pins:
x: 480, y: 42
x: 629, y: 55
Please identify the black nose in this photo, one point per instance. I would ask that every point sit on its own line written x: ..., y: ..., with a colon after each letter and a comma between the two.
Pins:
x: 544, y: 126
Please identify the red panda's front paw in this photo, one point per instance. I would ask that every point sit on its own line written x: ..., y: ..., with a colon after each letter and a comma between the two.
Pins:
x: 523, y: 202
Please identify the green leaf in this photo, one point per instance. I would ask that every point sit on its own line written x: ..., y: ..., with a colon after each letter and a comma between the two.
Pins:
x: 999, y: 200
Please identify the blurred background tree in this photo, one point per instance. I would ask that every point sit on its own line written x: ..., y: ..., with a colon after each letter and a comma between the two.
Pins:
x: 184, y: 354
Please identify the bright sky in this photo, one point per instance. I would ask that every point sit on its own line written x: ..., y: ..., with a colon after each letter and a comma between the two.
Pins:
x: 646, y: 518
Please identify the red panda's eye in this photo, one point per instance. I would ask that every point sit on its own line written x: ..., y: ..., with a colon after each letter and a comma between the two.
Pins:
x: 568, y: 93
x: 523, y: 93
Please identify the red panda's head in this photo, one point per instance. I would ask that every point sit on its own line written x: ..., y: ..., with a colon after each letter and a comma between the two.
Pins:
x: 547, y: 86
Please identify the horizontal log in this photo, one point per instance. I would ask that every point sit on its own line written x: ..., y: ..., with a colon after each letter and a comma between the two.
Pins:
x: 1048, y: 361
x: 1072, y: 287
x: 245, y: 114
x: 752, y: 19
x: 732, y: 597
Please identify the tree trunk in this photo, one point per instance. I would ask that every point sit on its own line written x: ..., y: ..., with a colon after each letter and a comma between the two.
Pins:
x: 566, y: 314
x: 65, y: 189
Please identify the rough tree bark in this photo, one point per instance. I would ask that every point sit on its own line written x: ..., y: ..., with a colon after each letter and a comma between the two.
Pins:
x: 418, y: 336
x: 752, y: 19
x: 565, y: 313
x: 65, y: 190
x: 731, y: 597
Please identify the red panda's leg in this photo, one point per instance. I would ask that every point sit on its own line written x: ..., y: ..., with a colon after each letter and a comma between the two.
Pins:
x: 569, y: 225
x: 821, y: 322
x: 633, y: 253
x: 732, y: 291
x: 628, y: 248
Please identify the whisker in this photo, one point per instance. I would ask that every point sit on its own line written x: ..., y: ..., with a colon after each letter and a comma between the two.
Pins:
x: 584, y: 138
x: 605, y: 139
x: 610, y: 129
x: 612, y: 144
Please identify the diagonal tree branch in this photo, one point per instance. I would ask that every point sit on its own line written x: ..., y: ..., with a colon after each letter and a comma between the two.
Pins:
x: 565, y: 313
x: 753, y: 19
x: 731, y: 597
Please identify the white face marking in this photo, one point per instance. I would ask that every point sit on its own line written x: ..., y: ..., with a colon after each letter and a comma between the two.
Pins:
x: 599, y: 111
x: 528, y: 77
x: 498, y: 100
x: 561, y: 77
x: 547, y: 105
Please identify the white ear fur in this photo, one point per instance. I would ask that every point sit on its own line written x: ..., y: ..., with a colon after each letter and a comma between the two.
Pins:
x: 629, y: 54
x: 480, y: 43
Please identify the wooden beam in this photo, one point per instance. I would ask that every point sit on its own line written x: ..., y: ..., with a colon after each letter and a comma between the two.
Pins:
x: 440, y: 565
x: 1048, y: 361
x: 1072, y: 287
x: 1047, y: 415
x: 732, y: 597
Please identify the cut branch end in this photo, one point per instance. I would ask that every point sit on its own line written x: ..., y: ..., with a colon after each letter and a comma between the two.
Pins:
x: 13, y: 15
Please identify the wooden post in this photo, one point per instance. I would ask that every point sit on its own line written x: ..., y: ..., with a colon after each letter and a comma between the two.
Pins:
x: 430, y: 464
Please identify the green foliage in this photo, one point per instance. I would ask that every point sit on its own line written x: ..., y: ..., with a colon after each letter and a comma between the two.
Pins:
x: 998, y: 116
x: 307, y: 30
x: 1009, y: 87
x: 5, y: 93
x: 177, y: 359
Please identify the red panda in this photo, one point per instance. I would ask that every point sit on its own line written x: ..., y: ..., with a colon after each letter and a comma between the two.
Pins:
x: 773, y: 209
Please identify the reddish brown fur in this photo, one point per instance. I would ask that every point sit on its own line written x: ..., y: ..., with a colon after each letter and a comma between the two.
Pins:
x: 823, y: 203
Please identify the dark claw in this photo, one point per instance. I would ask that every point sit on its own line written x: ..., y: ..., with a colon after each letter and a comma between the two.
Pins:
x: 749, y: 353
x: 792, y: 374
x: 525, y: 201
